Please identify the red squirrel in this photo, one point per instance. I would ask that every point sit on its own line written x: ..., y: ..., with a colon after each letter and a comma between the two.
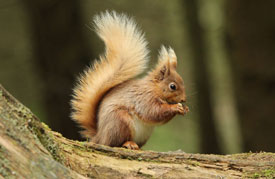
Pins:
x: 110, y: 103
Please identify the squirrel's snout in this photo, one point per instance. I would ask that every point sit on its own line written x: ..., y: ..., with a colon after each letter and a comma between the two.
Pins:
x: 183, y: 101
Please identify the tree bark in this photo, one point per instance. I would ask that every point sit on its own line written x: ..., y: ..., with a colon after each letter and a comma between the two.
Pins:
x: 30, y: 149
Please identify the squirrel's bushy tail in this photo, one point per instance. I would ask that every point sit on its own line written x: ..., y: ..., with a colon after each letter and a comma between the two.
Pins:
x: 125, y: 57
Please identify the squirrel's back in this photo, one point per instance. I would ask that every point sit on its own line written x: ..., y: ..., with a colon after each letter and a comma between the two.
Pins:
x: 125, y: 57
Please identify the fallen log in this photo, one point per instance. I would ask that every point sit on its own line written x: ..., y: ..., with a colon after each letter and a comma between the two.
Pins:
x: 30, y: 149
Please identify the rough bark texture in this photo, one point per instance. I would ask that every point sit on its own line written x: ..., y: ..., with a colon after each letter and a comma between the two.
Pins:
x: 29, y: 149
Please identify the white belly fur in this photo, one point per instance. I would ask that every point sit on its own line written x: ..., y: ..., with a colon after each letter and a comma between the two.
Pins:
x: 142, y: 131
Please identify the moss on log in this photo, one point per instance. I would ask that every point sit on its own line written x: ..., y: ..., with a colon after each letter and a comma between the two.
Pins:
x: 30, y: 149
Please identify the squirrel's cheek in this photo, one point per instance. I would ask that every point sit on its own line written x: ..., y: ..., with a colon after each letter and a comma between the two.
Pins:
x: 174, y: 98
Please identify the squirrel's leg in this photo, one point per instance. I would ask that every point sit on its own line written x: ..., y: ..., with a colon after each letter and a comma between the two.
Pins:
x: 124, y: 117
x: 114, y: 130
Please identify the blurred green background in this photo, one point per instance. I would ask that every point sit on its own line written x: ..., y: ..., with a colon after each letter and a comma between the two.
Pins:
x: 225, y: 48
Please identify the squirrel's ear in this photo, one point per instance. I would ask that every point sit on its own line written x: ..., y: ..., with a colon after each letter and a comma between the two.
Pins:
x: 161, y: 73
x: 167, y: 61
x: 162, y: 67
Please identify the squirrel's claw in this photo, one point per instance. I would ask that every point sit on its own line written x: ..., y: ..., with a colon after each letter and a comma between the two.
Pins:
x: 130, y: 145
x: 182, y: 109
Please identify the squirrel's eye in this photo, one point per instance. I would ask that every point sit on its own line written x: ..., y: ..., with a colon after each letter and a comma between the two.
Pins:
x: 172, y: 86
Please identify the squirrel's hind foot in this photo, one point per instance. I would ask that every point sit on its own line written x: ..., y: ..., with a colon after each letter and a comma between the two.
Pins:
x: 130, y: 145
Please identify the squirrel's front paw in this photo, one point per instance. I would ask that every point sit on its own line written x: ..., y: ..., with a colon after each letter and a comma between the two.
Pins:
x: 182, y: 109
x: 186, y: 109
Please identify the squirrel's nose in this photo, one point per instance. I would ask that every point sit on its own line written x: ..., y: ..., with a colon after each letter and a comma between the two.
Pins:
x: 183, y: 101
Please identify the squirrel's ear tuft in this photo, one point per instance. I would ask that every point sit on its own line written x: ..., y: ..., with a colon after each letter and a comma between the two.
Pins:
x: 167, y: 56
x: 172, y: 57
x: 162, y: 68
x: 167, y: 61
x: 163, y: 54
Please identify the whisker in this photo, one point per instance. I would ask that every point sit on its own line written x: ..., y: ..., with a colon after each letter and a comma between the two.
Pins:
x: 192, y: 94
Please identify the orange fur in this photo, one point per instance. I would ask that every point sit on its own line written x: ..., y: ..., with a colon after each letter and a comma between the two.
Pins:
x: 125, y: 58
x: 112, y: 107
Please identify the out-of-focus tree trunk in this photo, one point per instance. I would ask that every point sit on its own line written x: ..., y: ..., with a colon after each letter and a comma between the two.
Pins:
x: 209, y: 143
x: 61, y: 51
x: 251, y: 34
